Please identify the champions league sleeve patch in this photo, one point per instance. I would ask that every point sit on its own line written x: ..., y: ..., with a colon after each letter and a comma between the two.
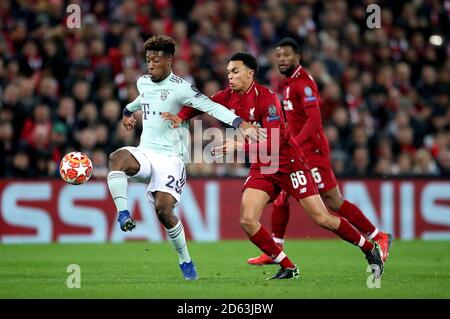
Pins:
x: 308, y: 91
x: 273, y: 116
x: 309, y: 97
x: 198, y: 93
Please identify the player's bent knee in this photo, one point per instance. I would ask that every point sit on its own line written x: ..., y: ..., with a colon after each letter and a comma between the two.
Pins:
x: 248, y: 223
x: 165, y: 214
x: 323, y: 221
x: 122, y: 160
x: 328, y: 202
x: 162, y: 208
x: 117, y: 160
x: 332, y: 203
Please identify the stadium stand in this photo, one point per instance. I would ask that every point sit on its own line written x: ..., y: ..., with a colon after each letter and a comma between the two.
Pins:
x: 385, y: 92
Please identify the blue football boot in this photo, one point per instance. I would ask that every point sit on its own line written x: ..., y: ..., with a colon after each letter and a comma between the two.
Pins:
x: 125, y: 221
x: 189, y: 271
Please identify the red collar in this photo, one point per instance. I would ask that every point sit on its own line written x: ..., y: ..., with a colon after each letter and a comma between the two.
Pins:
x: 246, y: 92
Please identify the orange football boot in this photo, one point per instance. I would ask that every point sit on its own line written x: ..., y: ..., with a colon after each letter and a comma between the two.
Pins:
x: 385, y: 241
x: 262, y: 259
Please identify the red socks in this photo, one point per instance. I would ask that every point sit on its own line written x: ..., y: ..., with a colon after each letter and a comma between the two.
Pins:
x: 280, y: 218
x: 356, y: 217
x: 264, y: 241
x: 353, y: 216
x: 348, y: 233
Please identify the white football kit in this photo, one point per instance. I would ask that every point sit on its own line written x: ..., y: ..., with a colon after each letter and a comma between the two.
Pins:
x: 163, y: 150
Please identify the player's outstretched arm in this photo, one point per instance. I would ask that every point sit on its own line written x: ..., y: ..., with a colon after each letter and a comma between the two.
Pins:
x: 228, y: 146
x: 191, y: 96
x: 249, y: 130
x: 266, y: 138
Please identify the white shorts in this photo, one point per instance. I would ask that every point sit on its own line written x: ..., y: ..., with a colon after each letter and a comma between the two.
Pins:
x: 161, y: 172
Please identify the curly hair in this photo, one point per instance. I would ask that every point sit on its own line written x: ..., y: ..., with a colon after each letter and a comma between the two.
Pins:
x: 289, y: 42
x: 160, y: 43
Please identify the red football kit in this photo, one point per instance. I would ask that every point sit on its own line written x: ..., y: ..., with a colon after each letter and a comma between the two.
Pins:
x: 260, y: 106
x: 301, y: 104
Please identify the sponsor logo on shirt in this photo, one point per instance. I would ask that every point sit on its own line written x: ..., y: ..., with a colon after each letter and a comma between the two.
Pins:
x: 287, y: 105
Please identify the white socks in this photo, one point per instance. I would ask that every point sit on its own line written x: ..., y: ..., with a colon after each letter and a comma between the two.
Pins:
x: 176, y: 236
x: 117, y: 183
x: 375, y: 232
x: 279, y: 241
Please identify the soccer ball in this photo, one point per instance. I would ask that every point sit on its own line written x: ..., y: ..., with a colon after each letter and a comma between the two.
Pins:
x: 75, y: 168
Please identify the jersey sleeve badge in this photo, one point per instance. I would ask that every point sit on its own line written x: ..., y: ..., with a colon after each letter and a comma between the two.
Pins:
x: 198, y: 93
x: 309, y: 97
x: 273, y: 116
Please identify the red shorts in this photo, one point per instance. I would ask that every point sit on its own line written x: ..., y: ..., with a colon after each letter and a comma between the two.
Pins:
x: 298, y: 182
x: 322, y: 171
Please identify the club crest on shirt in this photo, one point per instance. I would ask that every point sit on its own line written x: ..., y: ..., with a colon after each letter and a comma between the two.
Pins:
x: 272, y: 110
x: 164, y: 94
x: 252, y: 114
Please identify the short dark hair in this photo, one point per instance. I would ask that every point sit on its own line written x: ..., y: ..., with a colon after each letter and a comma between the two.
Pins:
x: 289, y: 42
x: 246, y: 58
x: 160, y: 43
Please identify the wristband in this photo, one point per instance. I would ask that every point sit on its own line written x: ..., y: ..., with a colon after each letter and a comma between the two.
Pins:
x: 236, y: 122
x: 126, y: 112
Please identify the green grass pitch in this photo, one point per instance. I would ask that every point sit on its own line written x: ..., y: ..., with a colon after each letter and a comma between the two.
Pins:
x: 329, y: 269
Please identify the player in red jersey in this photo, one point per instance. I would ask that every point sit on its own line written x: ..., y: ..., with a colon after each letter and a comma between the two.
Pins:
x: 301, y: 103
x: 257, y: 104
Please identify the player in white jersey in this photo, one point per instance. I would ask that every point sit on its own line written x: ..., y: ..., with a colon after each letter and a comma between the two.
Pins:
x: 159, y: 158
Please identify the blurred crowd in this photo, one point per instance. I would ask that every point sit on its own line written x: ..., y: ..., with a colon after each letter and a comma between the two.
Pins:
x: 385, y: 91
